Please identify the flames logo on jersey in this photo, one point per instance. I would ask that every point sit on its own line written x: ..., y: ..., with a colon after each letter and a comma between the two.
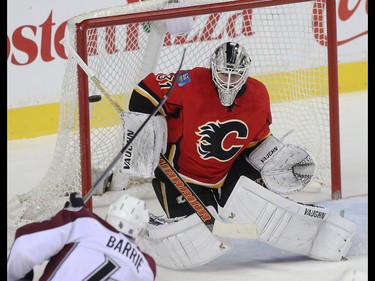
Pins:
x: 221, y: 140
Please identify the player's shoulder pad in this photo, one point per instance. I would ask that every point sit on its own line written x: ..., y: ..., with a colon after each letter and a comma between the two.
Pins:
x: 183, y: 78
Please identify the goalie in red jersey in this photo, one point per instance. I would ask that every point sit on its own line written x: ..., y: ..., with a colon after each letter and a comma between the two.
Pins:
x: 219, y: 140
x: 215, y: 118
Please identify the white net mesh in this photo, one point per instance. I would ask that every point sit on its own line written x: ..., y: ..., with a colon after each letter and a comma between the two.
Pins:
x: 287, y: 45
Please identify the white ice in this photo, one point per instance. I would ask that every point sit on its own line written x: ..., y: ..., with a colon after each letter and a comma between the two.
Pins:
x: 251, y: 260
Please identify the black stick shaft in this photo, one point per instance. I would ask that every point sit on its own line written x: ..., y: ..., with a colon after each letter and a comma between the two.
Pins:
x: 185, y: 190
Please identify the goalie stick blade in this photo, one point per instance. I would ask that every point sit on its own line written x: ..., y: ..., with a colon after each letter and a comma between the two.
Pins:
x: 228, y: 230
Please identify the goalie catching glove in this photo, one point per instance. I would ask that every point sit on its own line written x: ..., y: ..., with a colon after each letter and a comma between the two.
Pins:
x: 285, y: 168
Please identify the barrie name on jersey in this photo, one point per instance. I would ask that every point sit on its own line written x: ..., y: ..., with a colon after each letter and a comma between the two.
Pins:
x: 79, y: 246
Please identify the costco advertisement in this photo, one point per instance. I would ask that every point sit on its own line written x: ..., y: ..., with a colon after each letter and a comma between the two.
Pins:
x: 36, y: 60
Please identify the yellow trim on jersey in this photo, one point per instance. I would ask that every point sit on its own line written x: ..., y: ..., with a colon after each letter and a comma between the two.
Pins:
x: 209, y: 185
x: 254, y: 143
x: 164, y: 195
x: 146, y: 95
x: 172, y: 153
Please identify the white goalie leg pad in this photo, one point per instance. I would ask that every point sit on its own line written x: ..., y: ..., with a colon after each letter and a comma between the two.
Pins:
x: 285, y: 168
x: 184, y: 244
x: 308, y: 230
x: 142, y: 156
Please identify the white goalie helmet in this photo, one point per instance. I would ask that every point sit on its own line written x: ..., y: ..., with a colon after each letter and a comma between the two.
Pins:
x: 230, y: 68
x: 129, y: 215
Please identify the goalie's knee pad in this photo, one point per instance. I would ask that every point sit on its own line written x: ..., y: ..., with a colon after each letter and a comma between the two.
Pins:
x: 181, y: 244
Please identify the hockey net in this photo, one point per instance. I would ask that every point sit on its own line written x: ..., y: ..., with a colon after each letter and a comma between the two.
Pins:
x: 292, y: 47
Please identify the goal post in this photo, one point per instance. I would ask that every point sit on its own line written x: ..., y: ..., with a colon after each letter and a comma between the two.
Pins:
x: 292, y: 45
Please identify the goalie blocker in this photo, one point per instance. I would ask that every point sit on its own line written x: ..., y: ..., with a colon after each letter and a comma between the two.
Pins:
x: 143, y: 155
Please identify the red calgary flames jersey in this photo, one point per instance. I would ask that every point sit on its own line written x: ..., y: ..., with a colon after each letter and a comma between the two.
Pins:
x: 208, y: 137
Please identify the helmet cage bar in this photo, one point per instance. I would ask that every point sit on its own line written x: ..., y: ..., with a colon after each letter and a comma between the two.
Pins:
x: 227, y: 79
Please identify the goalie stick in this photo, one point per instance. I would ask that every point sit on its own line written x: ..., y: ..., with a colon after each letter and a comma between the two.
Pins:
x: 249, y: 231
x: 219, y: 228
x: 186, y: 191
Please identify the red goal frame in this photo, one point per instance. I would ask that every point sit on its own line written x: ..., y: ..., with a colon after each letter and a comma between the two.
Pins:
x: 83, y: 81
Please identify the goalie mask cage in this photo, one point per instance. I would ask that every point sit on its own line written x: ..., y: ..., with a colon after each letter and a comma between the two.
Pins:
x: 293, y: 49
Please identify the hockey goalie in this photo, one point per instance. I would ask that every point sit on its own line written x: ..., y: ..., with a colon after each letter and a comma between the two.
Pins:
x: 215, y: 126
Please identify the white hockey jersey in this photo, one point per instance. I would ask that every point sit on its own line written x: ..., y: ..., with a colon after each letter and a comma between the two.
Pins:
x: 79, y: 246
